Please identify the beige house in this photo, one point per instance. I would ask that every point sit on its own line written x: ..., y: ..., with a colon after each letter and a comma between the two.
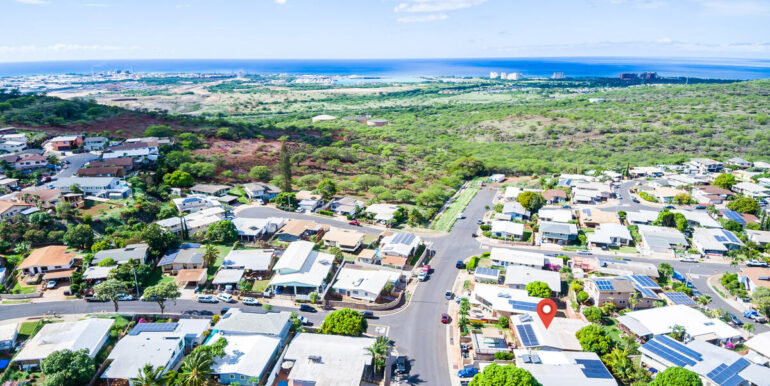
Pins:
x: 344, y: 239
x: 51, y: 258
x: 614, y: 290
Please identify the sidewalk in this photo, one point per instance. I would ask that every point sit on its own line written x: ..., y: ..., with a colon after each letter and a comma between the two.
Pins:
x: 454, y: 354
x: 713, y: 282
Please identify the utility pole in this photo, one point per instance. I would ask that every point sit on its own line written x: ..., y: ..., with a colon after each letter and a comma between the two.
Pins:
x: 136, y: 282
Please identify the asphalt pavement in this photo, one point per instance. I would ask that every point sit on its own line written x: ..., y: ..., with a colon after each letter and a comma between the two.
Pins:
x: 76, y: 161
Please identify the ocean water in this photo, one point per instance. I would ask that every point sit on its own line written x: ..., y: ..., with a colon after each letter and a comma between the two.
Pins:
x: 413, y: 69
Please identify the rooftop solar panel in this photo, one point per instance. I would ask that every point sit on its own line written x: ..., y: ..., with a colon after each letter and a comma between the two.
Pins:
x: 153, y: 327
x: 593, y: 368
x: 666, y: 353
x: 645, y: 281
x: 721, y: 239
x: 604, y: 285
x: 527, y: 335
x: 722, y: 374
x: 680, y: 298
x: 730, y: 236
x: 670, y: 342
x: 647, y: 293
x: 524, y: 306
x: 735, y: 216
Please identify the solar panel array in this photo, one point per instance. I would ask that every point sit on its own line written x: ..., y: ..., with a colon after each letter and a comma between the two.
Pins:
x: 153, y: 327
x: 527, y: 335
x: 604, y: 285
x: 680, y: 298
x: 646, y: 292
x: 593, y: 368
x: 721, y: 239
x: 524, y: 306
x: 644, y: 281
x: 730, y: 236
x: 728, y: 375
x: 487, y: 271
x: 672, y: 351
x: 733, y: 215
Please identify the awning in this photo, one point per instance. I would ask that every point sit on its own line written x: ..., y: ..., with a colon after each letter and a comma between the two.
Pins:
x: 64, y: 274
x: 186, y: 276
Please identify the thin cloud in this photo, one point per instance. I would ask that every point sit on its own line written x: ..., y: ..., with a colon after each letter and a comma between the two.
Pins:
x: 435, y: 5
x: 662, y: 43
x: 280, y: 1
x: 35, y: 2
x: 736, y: 8
x: 423, y: 19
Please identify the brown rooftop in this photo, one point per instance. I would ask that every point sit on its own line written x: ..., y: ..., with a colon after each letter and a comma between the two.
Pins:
x: 54, y: 255
x: 755, y: 273
x: 298, y: 227
x: 550, y: 194
x: 711, y: 189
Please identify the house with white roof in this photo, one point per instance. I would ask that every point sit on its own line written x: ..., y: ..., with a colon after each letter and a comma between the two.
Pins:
x: 610, y: 235
x: 254, y: 340
x: 94, y: 143
x: 346, y: 205
x: 8, y: 334
x: 661, y: 320
x: 557, y: 233
x: 194, y: 203
x: 762, y: 238
x: 642, y: 217
x: 87, y: 334
x: 569, y: 180
x: 661, y: 240
x: 363, y: 284
x: 645, y: 171
x: 530, y: 333
x: 327, y: 360
x: 252, y: 229
x: 504, y: 257
x: 666, y: 195
x: 346, y: 240
x: 156, y: 344
x: 194, y: 222
x: 706, y: 165
x: 301, y: 270
x: 558, y: 368
x: 699, y: 218
x: 382, y: 212
x: 714, y: 242
x: 107, y: 187
x: 323, y: 118
x: 260, y: 191
x: 401, y: 244
x: 251, y: 260
x: 751, y: 189
x: 714, y: 365
x: 503, y: 301
x: 515, y: 210
x: 511, y: 193
x: 739, y: 162
x: 507, y: 229
x: 591, y: 192
x: 518, y: 277
x: 760, y: 345
x: 555, y: 214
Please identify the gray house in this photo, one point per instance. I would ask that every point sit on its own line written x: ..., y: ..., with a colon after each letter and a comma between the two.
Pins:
x: 558, y: 233
x: 123, y: 255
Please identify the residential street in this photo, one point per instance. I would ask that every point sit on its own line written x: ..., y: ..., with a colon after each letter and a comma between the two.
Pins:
x: 76, y: 162
x: 416, y: 329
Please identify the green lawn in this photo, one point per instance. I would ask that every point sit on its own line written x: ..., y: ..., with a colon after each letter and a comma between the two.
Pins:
x: 223, y: 251
x: 19, y: 289
x: 260, y: 285
x: 447, y: 218
x: 30, y: 328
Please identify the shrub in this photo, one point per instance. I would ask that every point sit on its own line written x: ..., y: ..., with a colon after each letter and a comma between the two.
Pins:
x: 503, y: 355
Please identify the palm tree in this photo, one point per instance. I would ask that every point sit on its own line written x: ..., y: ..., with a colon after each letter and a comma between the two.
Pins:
x: 210, y: 254
x: 379, y: 351
x: 196, y: 369
x: 749, y: 327
x: 150, y: 376
x: 678, y: 332
x: 620, y: 365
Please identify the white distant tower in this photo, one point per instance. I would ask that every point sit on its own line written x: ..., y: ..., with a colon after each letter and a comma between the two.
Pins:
x: 493, y: 75
x: 515, y: 76
x: 503, y: 75
x: 557, y: 75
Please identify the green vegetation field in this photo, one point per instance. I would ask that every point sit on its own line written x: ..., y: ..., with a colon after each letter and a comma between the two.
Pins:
x: 447, y: 218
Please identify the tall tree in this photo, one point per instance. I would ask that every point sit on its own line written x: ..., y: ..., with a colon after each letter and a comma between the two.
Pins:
x: 379, y: 351
x: 110, y: 290
x: 68, y: 368
x: 210, y: 254
x: 162, y: 292
x: 284, y: 162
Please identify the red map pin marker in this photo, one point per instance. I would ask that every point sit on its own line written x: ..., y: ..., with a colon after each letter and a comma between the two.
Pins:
x: 546, y: 309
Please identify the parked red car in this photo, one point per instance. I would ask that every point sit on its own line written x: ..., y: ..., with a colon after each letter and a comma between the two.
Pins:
x: 354, y: 222
x: 426, y: 268
x: 445, y: 318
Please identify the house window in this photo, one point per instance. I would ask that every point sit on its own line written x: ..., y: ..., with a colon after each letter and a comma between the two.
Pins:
x: 232, y: 376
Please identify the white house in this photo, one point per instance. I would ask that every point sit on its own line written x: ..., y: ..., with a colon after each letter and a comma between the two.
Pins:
x: 346, y: 240
x: 194, y: 222
x: 8, y: 334
x: 382, y: 212
x: 530, y: 333
x: 661, y: 320
x: 346, y: 205
x: 87, y: 334
x: 108, y: 187
x: 363, y: 284
x: 252, y: 229
x: 504, y: 257
x: 301, y: 270
x: 706, y: 165
x: 714, y: 242
x: 660, y: 240
x: 646, y: 217
x: 399, y: 244
x: 751, y: 189
x: 260, y: 191
x: 555, y: 214
x: 511, y: 193
x: 610, y: 235
x: 94, y: 143
x: 327, y: 360
x: 515, y: 210
x: 507, y: 229
x: 503, y: 301
x: 194, y: 203
x: 518, y: 277
x: 558, y: 368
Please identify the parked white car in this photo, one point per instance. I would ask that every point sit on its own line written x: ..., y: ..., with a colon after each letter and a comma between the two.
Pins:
x: 250, y: 302
x: 206, y: 299
x: 227, y: 298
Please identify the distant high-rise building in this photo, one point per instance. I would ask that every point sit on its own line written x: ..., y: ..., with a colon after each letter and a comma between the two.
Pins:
x: 628, y: 76
x: 649, y: 75
x: 557, y: 75
x: 493, y: 75
x: 503, y: 75
x: 515, y: 76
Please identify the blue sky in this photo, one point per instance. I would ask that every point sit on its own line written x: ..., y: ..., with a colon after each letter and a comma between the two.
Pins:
x: 276, y: 29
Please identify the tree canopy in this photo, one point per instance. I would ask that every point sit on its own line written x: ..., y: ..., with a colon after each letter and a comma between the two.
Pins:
x: 531, y: 201
x: 222, y: 232
x: 595, y: 339
x: 744, y: 205
x: 538, y: 289
x: 725, y: 181
x: 509, y: 375
x: 68, y: 368
x: 178, y: 179
x: 676, y: 376
x: 344, y: 322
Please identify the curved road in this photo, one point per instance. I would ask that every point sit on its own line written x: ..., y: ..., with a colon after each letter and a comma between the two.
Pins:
x: 416, y: 329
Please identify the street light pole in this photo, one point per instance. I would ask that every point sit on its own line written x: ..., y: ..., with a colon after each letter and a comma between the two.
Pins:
x: 136, y: 282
